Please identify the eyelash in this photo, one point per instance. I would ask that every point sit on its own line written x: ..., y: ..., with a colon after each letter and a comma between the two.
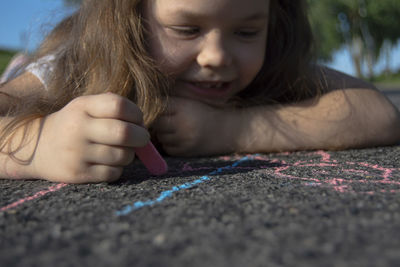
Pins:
x: 185, y: 31
x: 248, y: 34
x: 188, y: 32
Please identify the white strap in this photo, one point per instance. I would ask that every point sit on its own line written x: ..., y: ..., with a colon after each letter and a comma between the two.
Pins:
x: 42, y: 68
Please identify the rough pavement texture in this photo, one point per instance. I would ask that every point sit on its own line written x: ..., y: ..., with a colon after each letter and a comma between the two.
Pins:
x: 299, y: 209
x: 291, y: 209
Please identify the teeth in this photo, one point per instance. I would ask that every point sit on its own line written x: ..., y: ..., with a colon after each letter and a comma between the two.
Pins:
x: 210, y: 85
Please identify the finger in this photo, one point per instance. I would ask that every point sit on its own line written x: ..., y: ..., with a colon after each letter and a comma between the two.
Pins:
x: 116, y: 133
x: 109, y: 155
x: 104, y: 173
x: 114, y: 107
x: 152, y: 159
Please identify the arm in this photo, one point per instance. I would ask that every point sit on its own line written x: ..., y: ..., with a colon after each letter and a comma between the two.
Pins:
x: 357, y: 116
x: 351, y: 114
x: 91, y: 139
x: 340, y: 119
x: 23, y: 86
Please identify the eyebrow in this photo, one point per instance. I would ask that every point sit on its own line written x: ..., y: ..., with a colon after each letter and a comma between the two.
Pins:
x: 257, y: 16
x: 253, y: 17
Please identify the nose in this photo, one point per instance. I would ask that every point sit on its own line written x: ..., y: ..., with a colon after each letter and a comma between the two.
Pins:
x: 213, y: 52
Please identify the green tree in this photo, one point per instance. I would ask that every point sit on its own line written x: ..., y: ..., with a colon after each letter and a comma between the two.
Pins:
x: 367, y: 27
x: 324, y: 23
x: 383, y: 20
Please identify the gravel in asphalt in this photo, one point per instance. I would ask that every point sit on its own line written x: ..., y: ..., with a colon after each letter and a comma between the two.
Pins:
x: 313, y: 208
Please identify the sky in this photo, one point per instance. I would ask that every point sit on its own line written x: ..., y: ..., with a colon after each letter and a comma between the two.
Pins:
x: 25, y: 22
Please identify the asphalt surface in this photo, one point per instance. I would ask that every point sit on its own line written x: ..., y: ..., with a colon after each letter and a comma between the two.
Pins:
x: 318, y: 208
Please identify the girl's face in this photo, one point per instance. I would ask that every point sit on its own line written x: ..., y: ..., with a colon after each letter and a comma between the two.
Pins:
x: 213, y: 48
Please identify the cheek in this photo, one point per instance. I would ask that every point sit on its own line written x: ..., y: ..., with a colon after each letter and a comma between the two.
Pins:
x: 160, y: 48
x: 159, y: 51
x: 169, y: 55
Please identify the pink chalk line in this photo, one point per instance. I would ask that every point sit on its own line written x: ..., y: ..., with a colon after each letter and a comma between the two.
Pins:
x: 35, y: 196
x: 338, y: 184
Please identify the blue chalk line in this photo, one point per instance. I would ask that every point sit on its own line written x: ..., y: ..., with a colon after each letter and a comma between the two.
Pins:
x: 168, y: 193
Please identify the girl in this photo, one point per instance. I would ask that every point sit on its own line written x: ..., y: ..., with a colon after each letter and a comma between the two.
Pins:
x: 206, y: 77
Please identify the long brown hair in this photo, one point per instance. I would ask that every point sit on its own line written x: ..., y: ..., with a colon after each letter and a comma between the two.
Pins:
x: 287, y: 74
x: 102, y: 48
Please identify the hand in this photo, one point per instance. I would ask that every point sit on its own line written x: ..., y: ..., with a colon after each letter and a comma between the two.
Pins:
x: 90, y: 140
x: 192, y: 128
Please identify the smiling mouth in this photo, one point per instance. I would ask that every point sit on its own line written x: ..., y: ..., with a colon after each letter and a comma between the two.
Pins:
x: 210, y: 85
x: 210, y: 89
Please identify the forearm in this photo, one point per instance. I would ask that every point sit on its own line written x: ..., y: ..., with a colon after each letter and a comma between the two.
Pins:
x: 337, y: 120
x: 17, y: 150
x: 24, y: 140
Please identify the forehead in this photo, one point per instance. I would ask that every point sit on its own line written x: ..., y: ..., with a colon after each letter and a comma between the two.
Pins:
x: 233, y: 9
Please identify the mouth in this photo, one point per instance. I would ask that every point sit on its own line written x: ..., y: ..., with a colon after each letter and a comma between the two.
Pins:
x: 210, y: 85
x: 210, y: 89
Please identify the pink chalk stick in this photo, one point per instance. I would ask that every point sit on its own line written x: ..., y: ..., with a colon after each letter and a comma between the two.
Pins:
x: 151, y: 159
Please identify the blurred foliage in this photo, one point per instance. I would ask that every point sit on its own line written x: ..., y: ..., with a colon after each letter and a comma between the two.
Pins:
x: 391, y: 79
x: 5, y: 57
x: 325, y: 25
x: 369, y: 28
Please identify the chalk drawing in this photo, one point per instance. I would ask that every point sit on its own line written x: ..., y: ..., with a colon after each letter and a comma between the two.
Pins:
x: 39, y: 194
x: 320, y: 168
x: 323, y: 168
x: 168, y: 193
x: 329, y: 172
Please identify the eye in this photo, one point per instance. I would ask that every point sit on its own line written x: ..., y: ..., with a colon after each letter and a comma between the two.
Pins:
x: 247, y: 34
x: 185, y: 31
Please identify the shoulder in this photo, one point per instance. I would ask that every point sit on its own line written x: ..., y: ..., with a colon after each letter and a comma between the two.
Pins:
x: 331, y: 80
x: 23, y: 85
